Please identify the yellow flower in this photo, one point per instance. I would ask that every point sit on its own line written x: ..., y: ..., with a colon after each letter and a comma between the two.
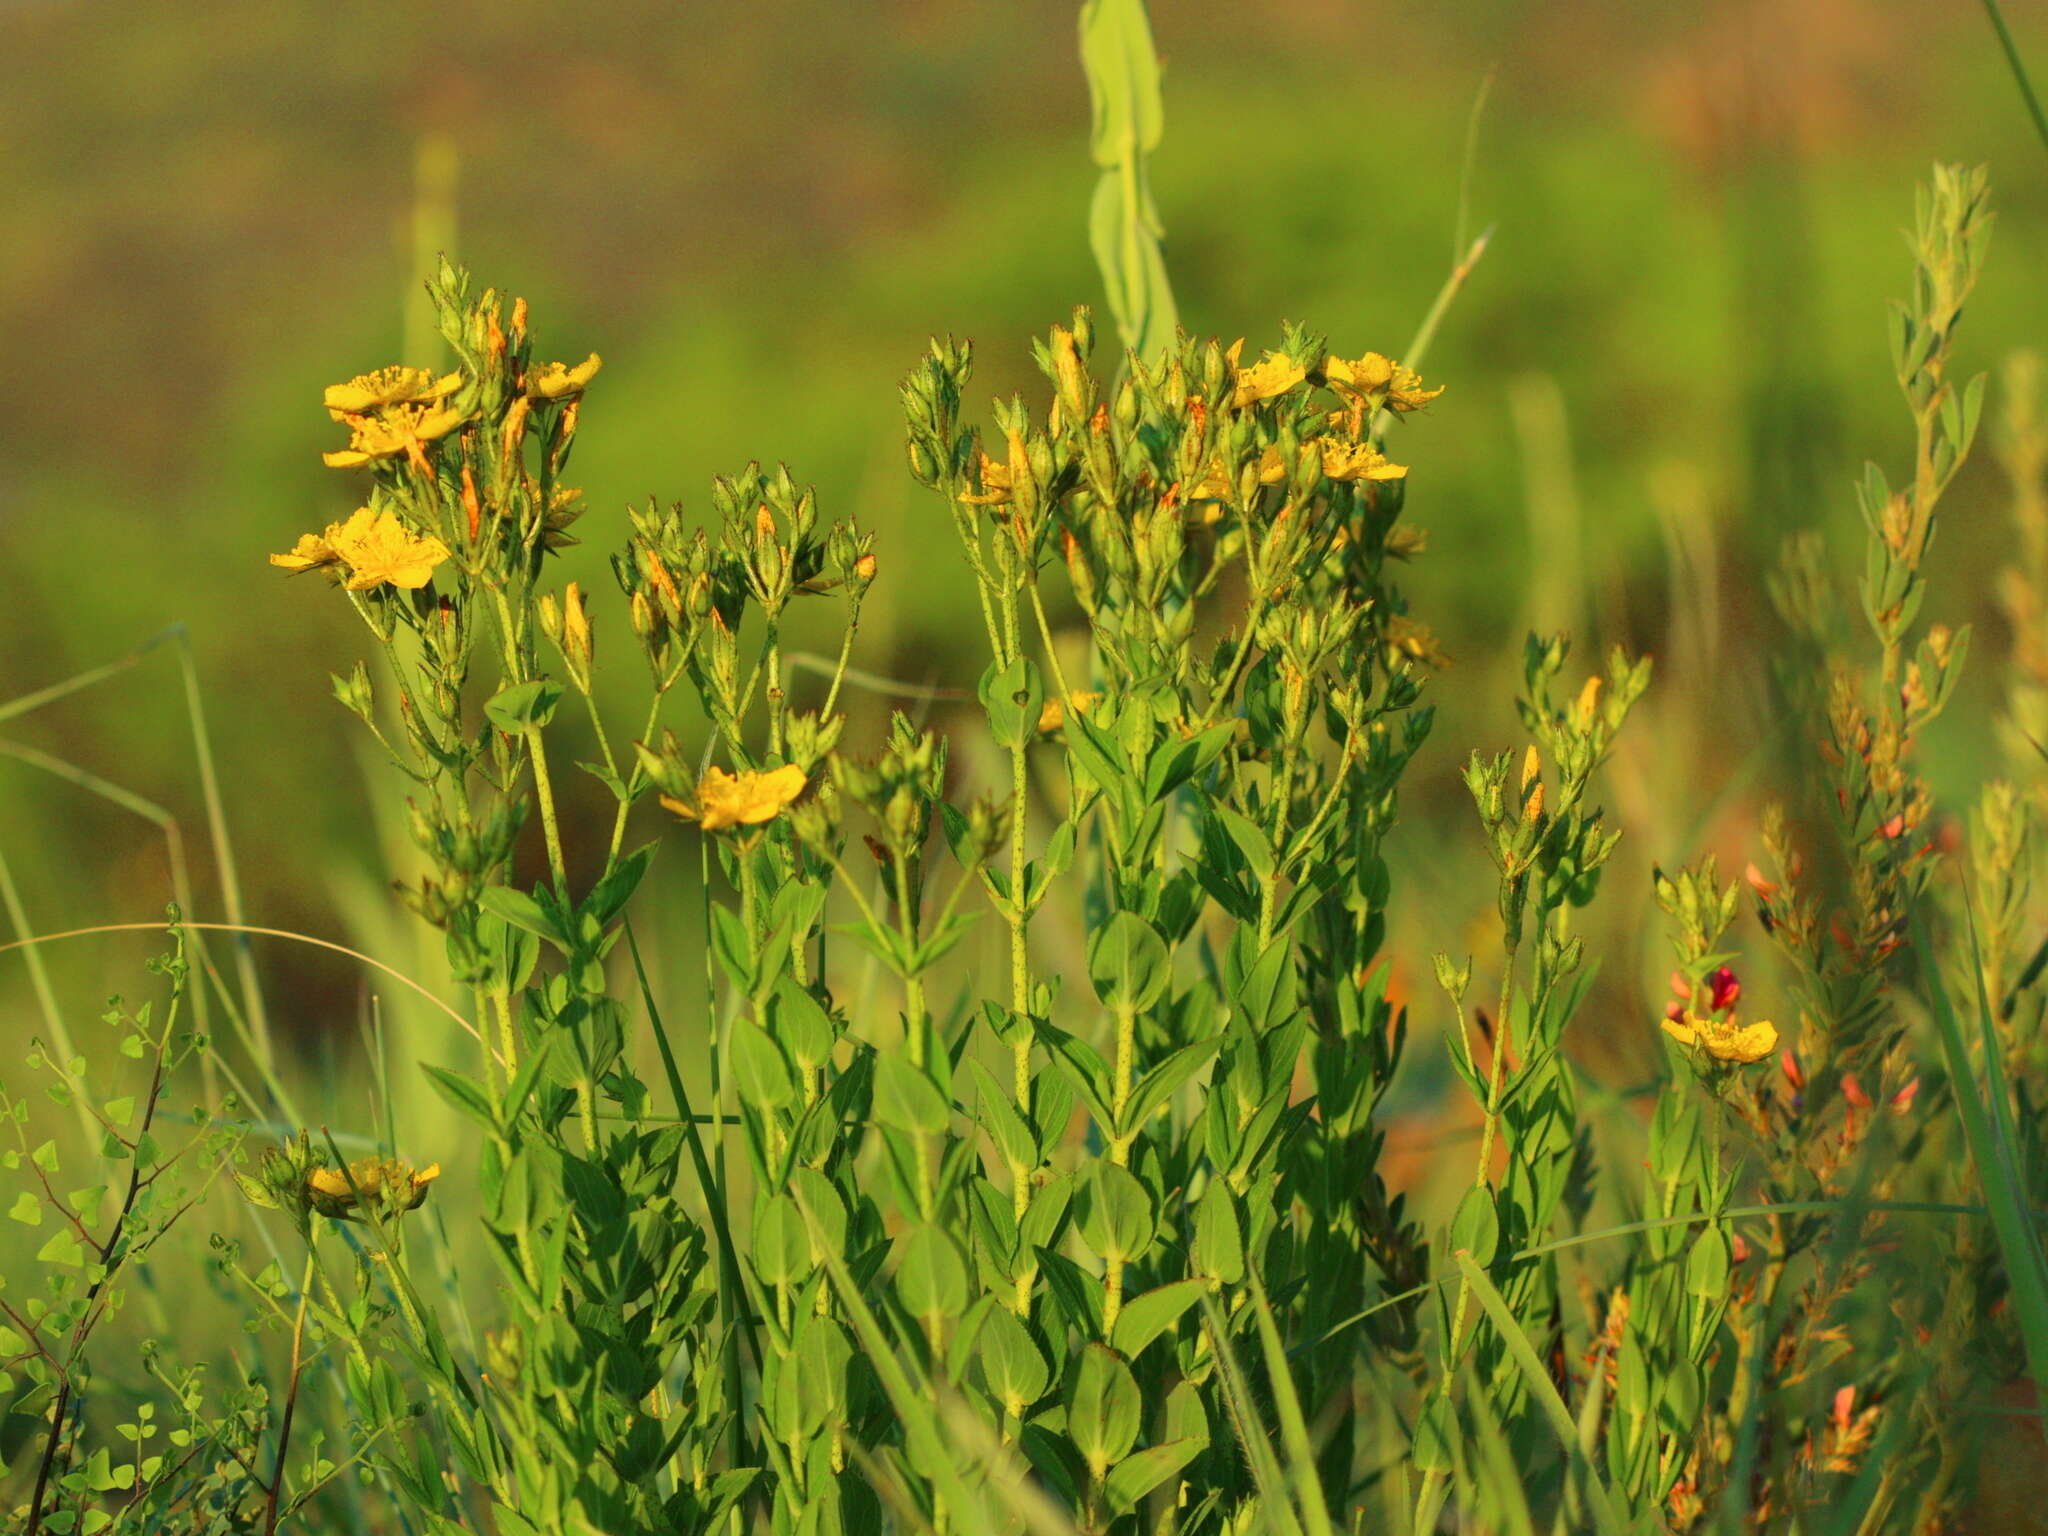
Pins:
x: 1373, y: 374
x: 369, y: 1181
x: 313, y: 551
x: 1052, y: 714
x: 1272, y: 375
x: 1725, y: 1039
x: 558, y: 381
x: 744, y: 799
x: 1346, y: 460
x: 370, y: 392
x: 1414, y: 641
x: 995, y: 484
x: 378, y: 548
x: 393, y: 430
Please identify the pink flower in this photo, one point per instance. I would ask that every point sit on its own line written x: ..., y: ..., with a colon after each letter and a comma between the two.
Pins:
x: 1724, y: 988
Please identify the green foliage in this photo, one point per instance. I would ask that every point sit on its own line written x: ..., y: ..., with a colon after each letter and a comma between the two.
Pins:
x: 970, y: 1238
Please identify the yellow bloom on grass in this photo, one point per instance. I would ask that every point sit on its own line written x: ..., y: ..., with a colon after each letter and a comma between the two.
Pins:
x: 386, y: 387
x: 1725, y: 1039
x: 375, y: 546
x: 1271, y: 376
x: 558, y: 381
x: 1374, y: 374
x: 745, y: 799
x: 369, y: 1181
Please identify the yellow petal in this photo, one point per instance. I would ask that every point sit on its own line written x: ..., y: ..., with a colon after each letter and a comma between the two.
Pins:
x: 1748, y: 1043
x: 326, y: 1181
x: 553, y: 381
x: 1682, y: 1031
x: 1273, y: 375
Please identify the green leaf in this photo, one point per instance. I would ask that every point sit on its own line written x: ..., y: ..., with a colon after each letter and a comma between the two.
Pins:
x: 905, y: 1099
x: 1134, y: 1477
x: 1114, y: 1212
x: 1218, y: 1251
x: 1706, y: 1268
x: 1164, y: 1080
x: 1012, y: 1365
x: 1088, y: 1074
x: 62, y: 1248
x: 759, y: 1068
x: 524, y: 706
x: 1012, y: 697
x: 27, y: 1209
x: 800, y: 1023
x: 1476, y: 1226
x: 1103, y: 1408
x: 1123, y: 80
x: 1128, y: 963
x: 931, y: 1275
x: 999, y: 1117
x: 1147, y: 1316
x: 782, y: 1243
x: 465, y: 1094
x: 521, y: 911
x: 609, y: 896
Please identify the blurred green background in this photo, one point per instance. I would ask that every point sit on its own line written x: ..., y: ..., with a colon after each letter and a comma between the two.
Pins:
x: 1670, y: 357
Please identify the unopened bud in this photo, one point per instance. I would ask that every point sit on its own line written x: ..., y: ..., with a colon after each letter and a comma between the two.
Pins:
x: 577, y: 645
x: 514, y: 435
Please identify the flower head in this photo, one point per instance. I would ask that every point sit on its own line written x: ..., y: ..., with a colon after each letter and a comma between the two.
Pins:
x: 1399, y: 389
x: 745, y: 799
x: 369, y: 1182
x: 392, y: 430
x: 378, y: 548
x: 1271, y: 376
x: 558, y: 381
x: 370, y: 392
x: 1725, y: 1039
x: 313, y: 551
x: 995, y: 480
x: 1347, y: 460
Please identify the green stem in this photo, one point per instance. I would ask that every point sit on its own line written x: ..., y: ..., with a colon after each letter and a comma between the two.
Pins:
x: 545, y: 792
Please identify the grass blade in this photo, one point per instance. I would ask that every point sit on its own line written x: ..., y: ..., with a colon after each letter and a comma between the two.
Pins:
x: 1991, y: 1151
x: 1544, y: 1393
x: 1257, y: 1449
x: 1301, y: 1457
x: 2019, y: 69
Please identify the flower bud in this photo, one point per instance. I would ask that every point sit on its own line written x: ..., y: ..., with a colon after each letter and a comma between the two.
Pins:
x: 577, y: 645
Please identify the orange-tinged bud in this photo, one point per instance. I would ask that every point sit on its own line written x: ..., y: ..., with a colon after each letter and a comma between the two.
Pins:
x: 471, y: 506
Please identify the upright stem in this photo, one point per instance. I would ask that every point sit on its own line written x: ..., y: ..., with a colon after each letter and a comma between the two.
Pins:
x: 1496, y: 1072
x: 291, y: 1399
x: 545, y: 791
